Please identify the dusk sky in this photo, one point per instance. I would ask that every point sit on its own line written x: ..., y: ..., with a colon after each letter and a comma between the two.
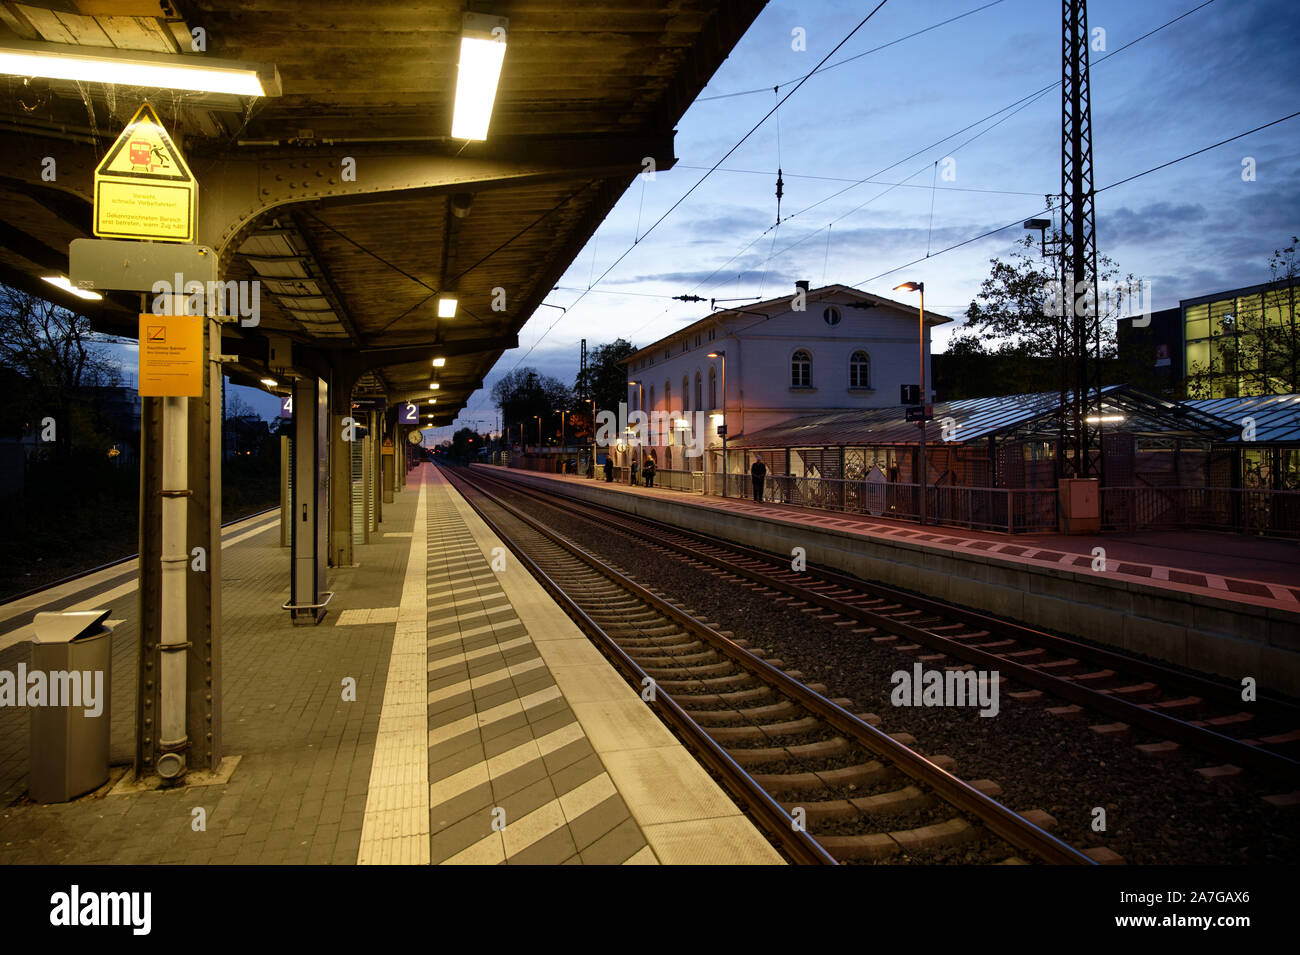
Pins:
x: 1189, y: 229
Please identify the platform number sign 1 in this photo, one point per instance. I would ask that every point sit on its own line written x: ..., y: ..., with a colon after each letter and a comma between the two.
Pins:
x: 286, y: 406
x: 410, y: 413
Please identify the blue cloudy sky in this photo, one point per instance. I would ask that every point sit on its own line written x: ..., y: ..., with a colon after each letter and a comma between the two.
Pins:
x: 1192, y: 228
x: 891, y: 114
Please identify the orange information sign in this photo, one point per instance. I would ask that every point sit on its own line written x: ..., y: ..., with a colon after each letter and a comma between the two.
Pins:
x: 171, y: 356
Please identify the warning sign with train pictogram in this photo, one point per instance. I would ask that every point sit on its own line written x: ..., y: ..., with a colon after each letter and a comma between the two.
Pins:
x: 143, y: 188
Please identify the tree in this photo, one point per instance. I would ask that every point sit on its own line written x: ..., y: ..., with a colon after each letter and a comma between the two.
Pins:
x: 606, y: 378
x: 53, y: 350
x: 465, y: 444
x: 1255, y: 348
x: 523, y: 394
x: 1021, y: 316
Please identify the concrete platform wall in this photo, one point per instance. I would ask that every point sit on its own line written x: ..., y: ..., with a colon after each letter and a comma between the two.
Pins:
x: 1224, y: 637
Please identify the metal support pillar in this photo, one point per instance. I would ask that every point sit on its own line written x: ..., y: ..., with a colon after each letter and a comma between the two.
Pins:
x: 388, y: 456
x: 193, y: 654
x: 376, y: 471
x: 286, y: 523
x: 342, y: 435
x: 307, y: 595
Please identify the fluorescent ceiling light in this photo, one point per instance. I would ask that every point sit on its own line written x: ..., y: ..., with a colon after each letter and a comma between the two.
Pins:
x: 58, y: 61
x: 439, y: 362
x: 269, y: 382
x: 434, y: 385
x: 61, y: 281
x: 482, y: 50
x: 446, y: 307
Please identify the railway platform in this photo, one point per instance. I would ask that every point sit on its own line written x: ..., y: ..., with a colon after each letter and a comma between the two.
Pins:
x: 445, y: 711
x: 1216, y: 602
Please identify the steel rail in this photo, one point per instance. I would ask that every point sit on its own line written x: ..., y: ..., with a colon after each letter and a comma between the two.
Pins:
x: 114, y: 563
x: 997, y: 818
x: 1252, y: 757
x: 801, y: 846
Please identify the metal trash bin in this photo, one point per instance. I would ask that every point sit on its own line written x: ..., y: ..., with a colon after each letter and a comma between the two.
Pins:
x: 72, y: 655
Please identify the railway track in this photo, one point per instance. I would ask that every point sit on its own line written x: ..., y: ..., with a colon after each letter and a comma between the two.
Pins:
x: 825, y: 784
x: 1180, y: 708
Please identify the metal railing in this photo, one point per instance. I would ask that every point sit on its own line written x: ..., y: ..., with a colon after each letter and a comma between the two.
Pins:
x: 1007, y: 510
x: 1246, y: 510
x: 1010, y: 510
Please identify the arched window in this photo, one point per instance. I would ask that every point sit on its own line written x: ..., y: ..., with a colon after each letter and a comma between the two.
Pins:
x: 801, y: 369
x: 686, y: 395
x: 668, y: 397
x: 713, y: 387
x: 699, y: 392
x: 860, y: 370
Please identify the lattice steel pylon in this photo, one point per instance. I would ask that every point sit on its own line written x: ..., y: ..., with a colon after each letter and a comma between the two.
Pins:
x: 1078, y: 250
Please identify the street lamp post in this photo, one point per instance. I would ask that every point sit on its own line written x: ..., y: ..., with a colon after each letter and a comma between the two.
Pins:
x: 592, y: 402
x: 539, y: 431
x: 640, y: 406
x: 723, y: 427
x: 925, y: 398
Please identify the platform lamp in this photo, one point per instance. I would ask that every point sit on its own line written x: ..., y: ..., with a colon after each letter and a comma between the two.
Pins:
x: 722, y: 428
x: 539, y: 430
x: 925, y: 402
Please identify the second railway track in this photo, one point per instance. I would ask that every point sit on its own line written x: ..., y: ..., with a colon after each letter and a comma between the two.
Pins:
x: 825, y: 784
x: 1182, y: 708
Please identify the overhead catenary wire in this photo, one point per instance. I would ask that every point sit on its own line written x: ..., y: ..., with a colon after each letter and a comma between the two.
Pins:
x: 1119, y: 182
x: 1026, y: 100
x: 700, y: 181
x: 856, y: 56
x: 1022, y: 103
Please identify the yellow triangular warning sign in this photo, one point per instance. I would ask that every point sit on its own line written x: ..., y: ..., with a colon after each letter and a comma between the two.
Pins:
x: 145, y: 151
x: 143, y: 189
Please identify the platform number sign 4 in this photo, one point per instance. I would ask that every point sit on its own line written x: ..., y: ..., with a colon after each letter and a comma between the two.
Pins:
x: 410, y: 413
x: 286, y: 406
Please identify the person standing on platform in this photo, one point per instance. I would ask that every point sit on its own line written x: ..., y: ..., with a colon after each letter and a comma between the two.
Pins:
x: 649, y: 472
x: 609, y: 469
x: 758, y: 471
x: 632, y: 469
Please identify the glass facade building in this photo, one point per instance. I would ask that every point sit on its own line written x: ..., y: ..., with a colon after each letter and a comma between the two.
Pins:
x: 1243, y: 342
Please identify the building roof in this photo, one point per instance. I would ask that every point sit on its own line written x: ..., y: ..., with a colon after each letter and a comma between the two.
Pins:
x: 1031, y: 417
x: 1276, y: 285
x: 779, y: 305
x: 1277, y: 417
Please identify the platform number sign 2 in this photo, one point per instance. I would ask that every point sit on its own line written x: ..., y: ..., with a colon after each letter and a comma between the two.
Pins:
x: 286, y: 406
x: 410, y: 413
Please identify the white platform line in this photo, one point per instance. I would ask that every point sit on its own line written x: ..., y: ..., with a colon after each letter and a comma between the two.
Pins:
x: 395, y: 829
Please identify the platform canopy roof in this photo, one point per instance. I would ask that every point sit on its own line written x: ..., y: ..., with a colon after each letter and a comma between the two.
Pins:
x: 354, y: 266
x: 1012, y: 417
x: 1276, y: 417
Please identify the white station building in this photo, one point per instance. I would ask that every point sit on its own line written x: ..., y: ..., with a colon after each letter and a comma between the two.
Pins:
x: 812, y: 351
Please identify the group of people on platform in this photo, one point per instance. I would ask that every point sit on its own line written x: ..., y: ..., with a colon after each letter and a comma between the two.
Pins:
x: 757, y: 473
